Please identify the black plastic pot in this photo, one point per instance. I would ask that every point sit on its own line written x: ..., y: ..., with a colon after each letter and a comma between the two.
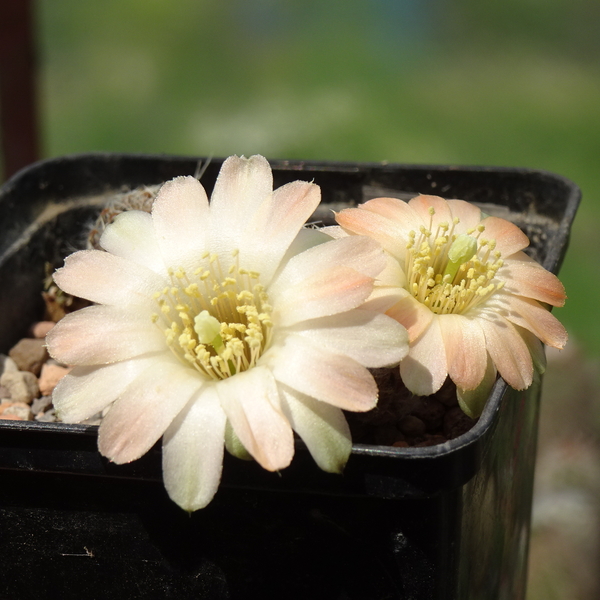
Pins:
x: 448, y: 521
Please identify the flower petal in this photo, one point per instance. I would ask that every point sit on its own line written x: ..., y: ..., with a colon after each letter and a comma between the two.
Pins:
x: 531, y: 315
x: 146, y: 408
x: 278, y: 219
x: 410, y: 313
x: 85, y: 391
x: 192, y: 455
x: 423, y: 205
x: 131, y: 236
x: 241, y: 186
x: 468, y: 214
x: 180, y: 215
x: 424, y: 370
x: 397, y: 211
x: 525, y: 277
x: 322, y: 427
x: 465, y: 350
x: 472, y: 402
x: 508, y: 351
x: 107, y: 279
x: 103, y: 334
x: 327, y: 292
x: 391, y: 235
x: 251, y: 402
x: 369, y: 338
x: 509, y: 238
x: 331, y: 378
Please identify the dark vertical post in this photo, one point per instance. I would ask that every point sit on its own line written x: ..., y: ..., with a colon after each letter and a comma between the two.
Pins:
x: 18, y: 117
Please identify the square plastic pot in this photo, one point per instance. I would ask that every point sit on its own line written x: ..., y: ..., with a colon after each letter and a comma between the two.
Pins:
x: 449, y: 521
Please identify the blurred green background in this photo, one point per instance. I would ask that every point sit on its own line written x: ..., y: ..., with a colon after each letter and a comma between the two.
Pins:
x: 510, y: 83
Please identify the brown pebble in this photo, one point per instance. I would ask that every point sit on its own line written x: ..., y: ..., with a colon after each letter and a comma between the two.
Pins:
x: 400, y: 444
x: 456, y: 423
x: 17, y: 409
x: 29, y: 354
x: 411, y: 426
x: 50, y: 376
x: 431, y: 412
x: 22, y: 385
x: 40, y: 329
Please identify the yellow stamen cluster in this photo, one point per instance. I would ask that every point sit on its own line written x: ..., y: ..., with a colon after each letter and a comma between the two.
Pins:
x: 233, y: 305
x: 451, y: 273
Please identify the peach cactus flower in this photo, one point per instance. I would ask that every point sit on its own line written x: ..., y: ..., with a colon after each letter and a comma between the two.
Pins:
x: 471, y: 300
x: 223, y: 324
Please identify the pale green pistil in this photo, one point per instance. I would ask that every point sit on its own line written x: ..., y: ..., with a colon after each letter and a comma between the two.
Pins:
x: 462, y: 250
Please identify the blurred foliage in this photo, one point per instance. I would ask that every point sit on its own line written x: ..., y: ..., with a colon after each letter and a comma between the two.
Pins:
x: 511, y: 83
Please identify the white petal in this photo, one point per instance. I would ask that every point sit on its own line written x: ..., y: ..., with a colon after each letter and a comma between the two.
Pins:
x: 146, y: 408
x: 370, y: 338
x: 86, y: 391
x: 104, y: 334
x: 424, y: 370
x: 328, y: 377
x: 131, y: 236
x: 242, y: 185
x: 322, y: 427
x: 251, y: 402
x: 327, y: 292
x: 192, y: 454
x: 360, y: 253
x: 107, y: 279
x: 306, y: 238
x: 275, y: 224
x: 181, y: 219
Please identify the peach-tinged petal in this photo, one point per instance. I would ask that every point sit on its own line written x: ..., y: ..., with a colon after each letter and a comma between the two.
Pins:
x: 472, y: 402
x: 327, y: 292
x: 103, y: 334
x: 531, y: 315
x: 509, y: 238
x: 322, y: 427
x: 251, y: 402
x: 361, y: 254
x: 390, y: 235
x: 468, y: 214
x: 278, y: 219
x: 536, y: 349
x: 370, y: 338
x: 424, y: 370
x: 86, y: 391
x: 525, y: 277
x: 465, y: 350
x: 306, y: 238
x: 413, y: 315
x: 131, y: 236
x: 508, y: 351
x: 192, y: 455
x: 141, y: 415
x: 397, y: 211
x: 392, y: 274
x: 422, y: 205
x: 241, y: 186
x: 181, y: 218
x: 107, y: 279
x: 331, y: 378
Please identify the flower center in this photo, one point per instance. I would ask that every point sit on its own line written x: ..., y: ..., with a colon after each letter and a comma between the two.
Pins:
x: 219, y: 323
x: 451, y: 273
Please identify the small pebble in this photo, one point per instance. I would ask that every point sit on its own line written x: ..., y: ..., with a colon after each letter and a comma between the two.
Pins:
x: 41, y: 328
x: 15, y: 409
x: 40, y: 405
x: 7, y: 364
x: 29, y: 355
x: 22, y: 385
x: 412, y: 426
x: 50, y: 376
